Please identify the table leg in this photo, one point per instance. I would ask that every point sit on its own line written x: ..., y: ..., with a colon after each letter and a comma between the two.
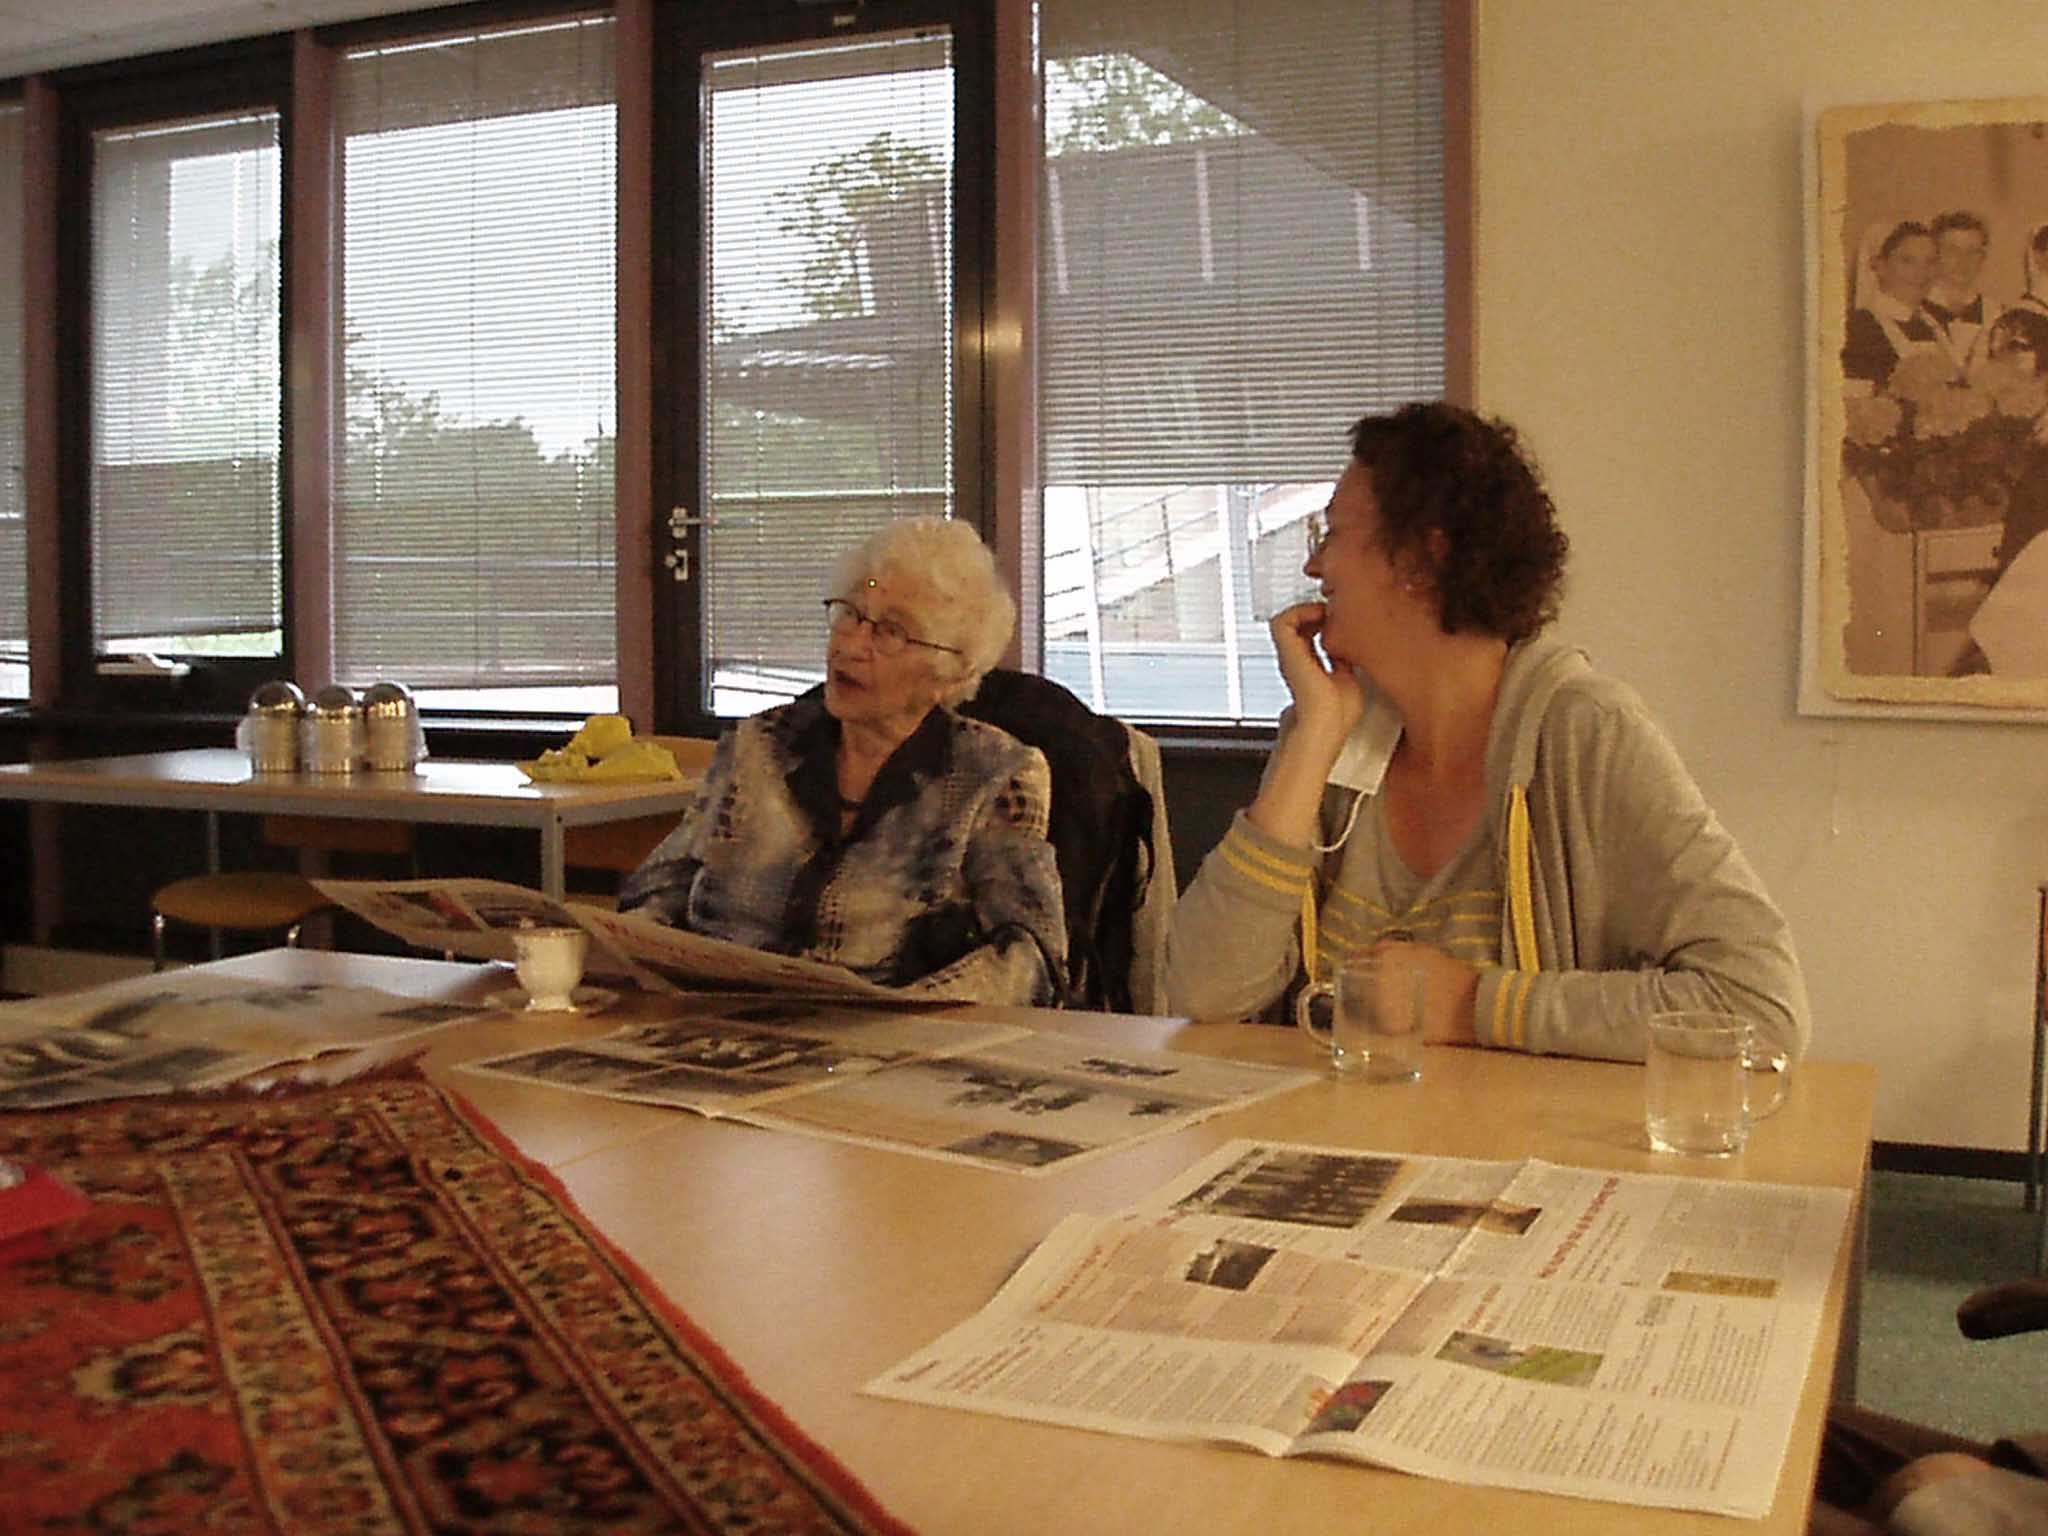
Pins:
x: 2037, y: 1198
x: 551, y: 882
x: 213, y: 868
x: 1847, y: 1355
x: 46, y: 884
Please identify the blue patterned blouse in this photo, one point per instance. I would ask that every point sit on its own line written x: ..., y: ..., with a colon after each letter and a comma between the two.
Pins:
x: 944, y: 884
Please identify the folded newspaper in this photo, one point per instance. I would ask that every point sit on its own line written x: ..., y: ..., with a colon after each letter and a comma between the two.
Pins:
x: 477, y: 918
x: 1635, y: 1338
x: 194, y: 1030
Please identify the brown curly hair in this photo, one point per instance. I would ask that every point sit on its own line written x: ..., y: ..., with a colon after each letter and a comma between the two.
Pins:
x: 1438, y: 468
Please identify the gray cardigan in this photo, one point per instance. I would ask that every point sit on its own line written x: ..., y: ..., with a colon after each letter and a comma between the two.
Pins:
x: 1623, y: 894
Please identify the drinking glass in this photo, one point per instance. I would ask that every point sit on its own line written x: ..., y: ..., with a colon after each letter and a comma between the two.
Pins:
x: 1708, y: 1078
x: 1373, y: 1027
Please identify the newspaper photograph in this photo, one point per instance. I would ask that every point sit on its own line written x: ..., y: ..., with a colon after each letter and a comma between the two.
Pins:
x: 725, y: 1060
x: 477, y: 918
x: 996, y: 1096
x: 181, y: 1030
x: 1636, y: 1338
x: 1029, y: 1104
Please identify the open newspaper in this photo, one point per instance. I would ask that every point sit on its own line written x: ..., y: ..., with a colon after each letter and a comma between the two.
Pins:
x: 477, y: 918
x: 1630, y: 1337
x: 997, y: 1096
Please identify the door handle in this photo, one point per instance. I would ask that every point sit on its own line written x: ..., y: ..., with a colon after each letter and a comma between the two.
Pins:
x: 680, y: 521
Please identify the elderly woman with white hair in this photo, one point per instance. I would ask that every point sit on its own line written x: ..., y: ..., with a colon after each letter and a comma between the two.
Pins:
x: 867, y: 823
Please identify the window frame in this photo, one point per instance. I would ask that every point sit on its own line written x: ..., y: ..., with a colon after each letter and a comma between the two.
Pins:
x: 323, y: 58
x: 13, y: 98
x: 284, y: 72
x: 322, y: 51
x: 678, y: 186
x: 1019, y: 475
x: 188, y: 83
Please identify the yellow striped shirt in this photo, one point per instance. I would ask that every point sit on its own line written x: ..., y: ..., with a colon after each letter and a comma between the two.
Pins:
x: 1456, y: 910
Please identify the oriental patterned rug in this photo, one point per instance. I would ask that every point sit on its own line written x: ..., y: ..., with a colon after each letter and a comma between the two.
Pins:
x: 357, y: 1309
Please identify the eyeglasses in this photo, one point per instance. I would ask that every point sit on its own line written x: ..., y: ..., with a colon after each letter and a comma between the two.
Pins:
x: 890, y: 637
x: 1318, y: 533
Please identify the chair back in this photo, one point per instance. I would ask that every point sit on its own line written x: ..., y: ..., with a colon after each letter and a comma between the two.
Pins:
x: 1108, y: 834
x: 622, y: 846
x: 338, y: 834
x: 618, y: 846
x: 1154, y: 914
x: 692, y: 753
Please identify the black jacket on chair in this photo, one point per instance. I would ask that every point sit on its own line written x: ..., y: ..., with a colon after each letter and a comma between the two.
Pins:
x: 1101, y: 830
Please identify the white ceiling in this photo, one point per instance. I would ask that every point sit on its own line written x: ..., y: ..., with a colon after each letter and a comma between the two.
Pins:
x: 38, y: 35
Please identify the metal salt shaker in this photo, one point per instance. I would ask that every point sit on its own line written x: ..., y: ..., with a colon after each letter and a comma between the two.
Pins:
x: 392, y: 721
x: 333, y: 731
x: 272, y: 728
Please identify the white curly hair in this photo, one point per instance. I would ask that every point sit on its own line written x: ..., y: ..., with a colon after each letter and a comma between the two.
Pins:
x: 950, y: 589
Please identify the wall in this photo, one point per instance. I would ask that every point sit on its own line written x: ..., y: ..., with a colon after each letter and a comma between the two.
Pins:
x: 1641, y: 272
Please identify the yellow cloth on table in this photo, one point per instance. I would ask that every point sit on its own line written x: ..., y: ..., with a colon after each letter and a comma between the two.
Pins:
x: 604, y: 751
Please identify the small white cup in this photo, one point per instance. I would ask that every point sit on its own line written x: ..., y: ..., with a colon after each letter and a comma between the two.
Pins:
x: 550, y: 963
x: 1374, y: 1028
x: 1708, y: 1078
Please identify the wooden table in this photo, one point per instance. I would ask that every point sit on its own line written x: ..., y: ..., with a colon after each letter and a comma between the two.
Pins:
x: 816, y: 1265
x: 446, y: 791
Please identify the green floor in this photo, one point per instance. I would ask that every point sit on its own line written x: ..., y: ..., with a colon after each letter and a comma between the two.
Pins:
x: 1932, y: 1241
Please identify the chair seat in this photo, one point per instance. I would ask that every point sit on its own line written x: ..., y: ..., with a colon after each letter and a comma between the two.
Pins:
x: 242, y: 899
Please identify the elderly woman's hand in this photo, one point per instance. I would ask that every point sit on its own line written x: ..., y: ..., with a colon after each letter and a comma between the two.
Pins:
x: 1328, y: 701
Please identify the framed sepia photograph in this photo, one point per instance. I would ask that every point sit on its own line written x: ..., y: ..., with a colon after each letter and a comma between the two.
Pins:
x: 1926, y: 587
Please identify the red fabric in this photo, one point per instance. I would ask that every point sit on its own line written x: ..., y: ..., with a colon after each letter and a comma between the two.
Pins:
x: 357, y: 1308
x: 41, y: 1200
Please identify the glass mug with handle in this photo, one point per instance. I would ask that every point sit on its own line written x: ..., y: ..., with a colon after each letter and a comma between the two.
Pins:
x: 1708, y: 1078
x: 1373, y: 1027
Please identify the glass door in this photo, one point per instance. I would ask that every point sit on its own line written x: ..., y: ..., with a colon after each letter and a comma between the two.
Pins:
x: 830, y: 360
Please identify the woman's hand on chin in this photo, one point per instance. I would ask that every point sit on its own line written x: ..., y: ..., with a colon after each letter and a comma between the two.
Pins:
x: 1328, y: 698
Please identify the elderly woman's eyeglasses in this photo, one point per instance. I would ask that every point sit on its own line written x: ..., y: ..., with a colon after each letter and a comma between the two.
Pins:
x: 889, y: 637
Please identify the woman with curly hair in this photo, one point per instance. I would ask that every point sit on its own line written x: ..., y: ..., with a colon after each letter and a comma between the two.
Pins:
x: 1450, y: 786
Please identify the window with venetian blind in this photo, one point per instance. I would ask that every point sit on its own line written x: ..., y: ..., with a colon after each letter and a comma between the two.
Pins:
x: 13, y: 488
x: 473, y: 524
x: 1241, y: 251
x: 184, y: 516
x: 828, y: 270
